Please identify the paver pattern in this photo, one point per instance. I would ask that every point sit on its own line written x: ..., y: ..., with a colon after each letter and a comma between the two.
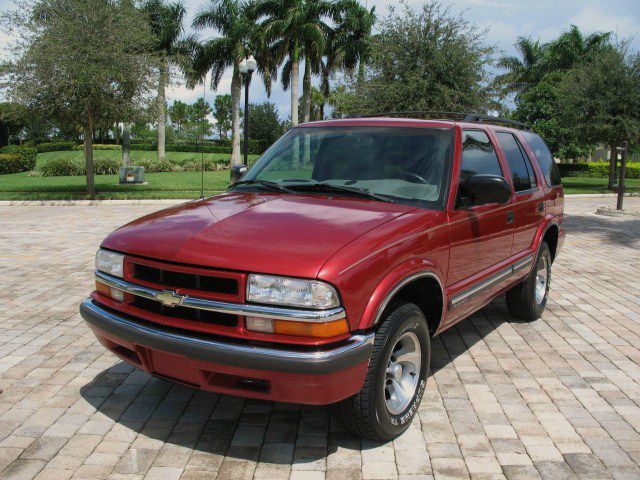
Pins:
x: 558, y: 398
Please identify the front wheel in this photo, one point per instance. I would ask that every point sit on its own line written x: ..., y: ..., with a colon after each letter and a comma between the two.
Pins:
x: 528, y: 300
x: 396, y: 377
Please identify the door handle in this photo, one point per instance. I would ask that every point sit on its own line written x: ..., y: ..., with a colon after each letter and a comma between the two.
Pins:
x: 510, y: 217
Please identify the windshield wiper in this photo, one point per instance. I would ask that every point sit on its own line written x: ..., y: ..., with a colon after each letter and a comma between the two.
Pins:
x: 327, y: 187
x: 264, y: 183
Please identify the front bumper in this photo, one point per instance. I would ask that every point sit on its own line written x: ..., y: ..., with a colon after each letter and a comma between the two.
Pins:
x: 319, y: 376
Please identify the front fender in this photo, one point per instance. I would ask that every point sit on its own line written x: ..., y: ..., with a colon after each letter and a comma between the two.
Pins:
x: 399, y: 276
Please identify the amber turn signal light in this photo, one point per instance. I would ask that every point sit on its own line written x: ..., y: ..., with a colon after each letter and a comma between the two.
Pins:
x: 310, y: 329
x: 113, y: 293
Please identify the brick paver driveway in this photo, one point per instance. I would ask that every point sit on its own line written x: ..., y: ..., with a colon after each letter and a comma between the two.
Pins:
x: 557, y: 398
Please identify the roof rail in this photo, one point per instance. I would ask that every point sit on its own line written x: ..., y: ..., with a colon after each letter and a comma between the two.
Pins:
x: 478, y: 118
x: 415, y: 113
x: 460, y: 116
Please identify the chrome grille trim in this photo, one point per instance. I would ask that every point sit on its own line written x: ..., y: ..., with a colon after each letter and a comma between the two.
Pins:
x: 242, y: 309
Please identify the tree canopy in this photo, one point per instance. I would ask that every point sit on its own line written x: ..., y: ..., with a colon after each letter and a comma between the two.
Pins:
x: 425, y: 59
x: 80, y: 62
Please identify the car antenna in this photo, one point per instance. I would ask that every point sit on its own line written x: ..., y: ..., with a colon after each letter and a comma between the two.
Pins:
x: 204, y: 99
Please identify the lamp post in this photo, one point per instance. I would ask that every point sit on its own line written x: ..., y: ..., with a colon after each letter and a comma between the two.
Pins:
x: 247, y: 67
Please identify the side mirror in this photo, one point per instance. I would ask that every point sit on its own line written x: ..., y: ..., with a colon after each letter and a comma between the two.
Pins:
x: 482, y: 189
x: 237, y: 171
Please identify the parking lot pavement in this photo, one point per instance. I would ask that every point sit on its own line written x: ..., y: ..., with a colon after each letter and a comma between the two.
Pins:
x: 557, y: 398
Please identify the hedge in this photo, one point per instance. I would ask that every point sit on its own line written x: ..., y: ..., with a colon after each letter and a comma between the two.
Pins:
x: 191, y: 147
x: 60, y: 146
x: 26, y: 162
x: 595, y: 170
x: 100, y: 146
x: 57, y: 167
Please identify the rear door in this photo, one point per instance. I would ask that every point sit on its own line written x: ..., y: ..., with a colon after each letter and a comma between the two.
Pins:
x: 529, y: 201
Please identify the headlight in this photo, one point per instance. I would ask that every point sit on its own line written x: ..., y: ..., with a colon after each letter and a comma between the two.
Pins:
x: 291, y: 292
x: 110, y: 262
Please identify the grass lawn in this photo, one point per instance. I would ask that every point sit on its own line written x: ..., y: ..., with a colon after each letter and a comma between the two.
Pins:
x: 596, y: 185
x: 22, y: 186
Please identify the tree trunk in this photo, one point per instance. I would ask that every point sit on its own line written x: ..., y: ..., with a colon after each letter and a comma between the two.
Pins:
x: 88, y: 155
x: 126, y: 144
x: 295, y: 79
x: 361, y: 71
x: 236, y: 91
x: 613, y: 160
x: 320, y: 113
x: 162, y: 105
x: 306, y: 91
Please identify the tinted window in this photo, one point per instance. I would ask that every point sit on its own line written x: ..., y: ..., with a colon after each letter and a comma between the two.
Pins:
x: 519, y: 164
x: 545, y: 159
x: 478, y: 155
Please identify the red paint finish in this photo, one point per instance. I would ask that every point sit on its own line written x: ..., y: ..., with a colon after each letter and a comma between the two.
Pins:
x: 364, y: 248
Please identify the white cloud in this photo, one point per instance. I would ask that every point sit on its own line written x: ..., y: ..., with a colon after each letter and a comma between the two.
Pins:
x: 594, y: 19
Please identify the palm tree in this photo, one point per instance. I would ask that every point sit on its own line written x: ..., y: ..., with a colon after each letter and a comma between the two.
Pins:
x: 171, y: 48
x: 538, y: 59
x: 348, y: 45
x: 296, y: 29
x: 524, y: 72
x: 238, y: 39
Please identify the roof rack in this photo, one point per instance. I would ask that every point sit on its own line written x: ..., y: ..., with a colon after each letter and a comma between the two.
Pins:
x: 460, y: 116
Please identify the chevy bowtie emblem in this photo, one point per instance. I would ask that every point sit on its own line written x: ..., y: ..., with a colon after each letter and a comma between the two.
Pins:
x: 169, y: 298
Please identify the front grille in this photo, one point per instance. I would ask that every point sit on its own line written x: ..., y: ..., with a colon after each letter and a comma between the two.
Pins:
x: 170, y: 278
x: 192, y: 314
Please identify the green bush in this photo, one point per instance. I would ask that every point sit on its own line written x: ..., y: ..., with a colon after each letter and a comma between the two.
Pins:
x: 595, y: 170
x: 172, y: 147
x: 12, y: 163
x: 100, y: 146
x: 26, y: 162
x: 58, y: 167
x: 60, y: 146
x: 62, y: 166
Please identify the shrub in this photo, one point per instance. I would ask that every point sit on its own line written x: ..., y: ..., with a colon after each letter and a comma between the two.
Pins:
x: 100, y: 146
x: 11, y: 163
x: 62, y: 166
x: 59, y: 146
x: 26, y: 162
x: 595, y: 170
x: 58, y: 167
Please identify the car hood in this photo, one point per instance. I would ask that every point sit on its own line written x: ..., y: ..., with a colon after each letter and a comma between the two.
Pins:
x: 279, y: 234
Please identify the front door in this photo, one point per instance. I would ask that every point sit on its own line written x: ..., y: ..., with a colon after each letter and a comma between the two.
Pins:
x: 481, y: 235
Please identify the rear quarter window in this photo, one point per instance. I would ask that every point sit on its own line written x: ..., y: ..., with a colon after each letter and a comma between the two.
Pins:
x: 545, y: 159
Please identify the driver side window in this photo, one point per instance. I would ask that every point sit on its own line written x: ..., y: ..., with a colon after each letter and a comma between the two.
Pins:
x: 478, y: 157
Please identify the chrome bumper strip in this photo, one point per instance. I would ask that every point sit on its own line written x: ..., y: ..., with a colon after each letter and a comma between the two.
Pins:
x: 197, y: 346
x: 243, y: 309
x: 492, y: 281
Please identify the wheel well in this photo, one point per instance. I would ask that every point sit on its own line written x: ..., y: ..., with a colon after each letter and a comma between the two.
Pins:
x: 551, y: 237
x: 426, y: 293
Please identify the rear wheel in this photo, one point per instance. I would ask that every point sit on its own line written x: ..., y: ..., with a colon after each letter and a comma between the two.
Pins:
x: 528, y: 300
x: 396, y: 377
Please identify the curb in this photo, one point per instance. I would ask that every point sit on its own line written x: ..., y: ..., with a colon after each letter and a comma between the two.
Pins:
x: 71, y: 203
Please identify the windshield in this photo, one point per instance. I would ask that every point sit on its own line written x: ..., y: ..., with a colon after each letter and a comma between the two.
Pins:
x: 402, y: 164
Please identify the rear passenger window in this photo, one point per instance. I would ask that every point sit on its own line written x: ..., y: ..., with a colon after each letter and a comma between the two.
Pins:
x: 545, y: 159
x: 478, y: 155
x: 519, y: 164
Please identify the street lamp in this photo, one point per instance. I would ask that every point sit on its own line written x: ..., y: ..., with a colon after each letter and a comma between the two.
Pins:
x: 247, y: 67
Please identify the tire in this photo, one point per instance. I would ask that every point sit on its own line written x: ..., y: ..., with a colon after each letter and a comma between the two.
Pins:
x: 372, y: 412
x: 522, y: 300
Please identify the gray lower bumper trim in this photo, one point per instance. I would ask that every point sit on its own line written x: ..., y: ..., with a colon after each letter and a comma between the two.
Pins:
x: 356, y: 351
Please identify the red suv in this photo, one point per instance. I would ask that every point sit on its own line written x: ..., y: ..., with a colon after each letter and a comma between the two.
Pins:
x: 322, y: 275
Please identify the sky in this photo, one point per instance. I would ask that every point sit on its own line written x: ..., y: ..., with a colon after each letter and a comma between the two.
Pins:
x: 504, y: 20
